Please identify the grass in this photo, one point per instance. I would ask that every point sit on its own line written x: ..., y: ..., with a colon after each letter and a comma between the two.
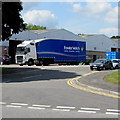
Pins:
x: 113, y: 77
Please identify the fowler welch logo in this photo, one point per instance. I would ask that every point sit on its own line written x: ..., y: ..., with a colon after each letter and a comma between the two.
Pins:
x: 71, y: 48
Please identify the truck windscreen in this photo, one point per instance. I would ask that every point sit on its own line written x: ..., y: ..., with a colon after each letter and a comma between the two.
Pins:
x: 20, y: 50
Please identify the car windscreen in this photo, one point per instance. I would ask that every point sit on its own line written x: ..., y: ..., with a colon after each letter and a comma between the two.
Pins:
x: 100, y: 61
x: 115, y: 61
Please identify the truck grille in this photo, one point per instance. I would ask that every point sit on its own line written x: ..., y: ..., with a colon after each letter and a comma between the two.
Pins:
x: 19, y: 58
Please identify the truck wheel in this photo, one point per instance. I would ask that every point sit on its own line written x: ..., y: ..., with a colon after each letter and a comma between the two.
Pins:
x: 21, y: 64
x: 30, y: 62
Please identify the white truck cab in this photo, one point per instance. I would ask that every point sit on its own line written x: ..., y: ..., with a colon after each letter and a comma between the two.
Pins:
x: 26, y: 53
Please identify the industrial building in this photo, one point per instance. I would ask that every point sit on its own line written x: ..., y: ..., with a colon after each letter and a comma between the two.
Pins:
x: 96, y: 45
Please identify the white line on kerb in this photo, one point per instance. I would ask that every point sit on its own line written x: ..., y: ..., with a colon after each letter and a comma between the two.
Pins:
x: 42, y: 106
x: 89, y: 108
x: 19, y: 104
x: 37, y: 108
x: 67, y: 107
x: 2, y: 103
x: 113, y: 110
x: 112, y: 113
x: 13, y: 106
x: 86, y: 111
x: 66, y: 110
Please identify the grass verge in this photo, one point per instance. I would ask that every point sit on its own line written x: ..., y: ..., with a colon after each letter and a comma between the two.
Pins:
x: 113, y: 77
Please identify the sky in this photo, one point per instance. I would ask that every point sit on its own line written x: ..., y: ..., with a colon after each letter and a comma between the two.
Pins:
x: 77, y: 17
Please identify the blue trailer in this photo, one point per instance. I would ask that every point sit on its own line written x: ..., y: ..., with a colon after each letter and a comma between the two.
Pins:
x: 61, y: 51
x: 50, y: 51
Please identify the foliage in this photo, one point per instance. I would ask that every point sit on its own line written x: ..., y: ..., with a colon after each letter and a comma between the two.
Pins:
x: 11, y: 19
x: 34, y: 27
x: 115, y: 37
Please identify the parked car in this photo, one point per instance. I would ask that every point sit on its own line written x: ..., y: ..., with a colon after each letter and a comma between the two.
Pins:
x: 4, y: 60
x: 115, y: 63
x: 101, y: 64
x: 118, y: 66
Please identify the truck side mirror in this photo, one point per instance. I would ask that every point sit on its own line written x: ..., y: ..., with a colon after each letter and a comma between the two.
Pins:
x: 32, y: 43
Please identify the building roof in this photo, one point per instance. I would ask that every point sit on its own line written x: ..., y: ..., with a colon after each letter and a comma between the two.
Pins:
x: 4, y: 43
x: 90, y: 35
x: 43, y: 31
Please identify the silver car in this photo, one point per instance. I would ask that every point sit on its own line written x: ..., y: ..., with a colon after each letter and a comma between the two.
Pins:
x: 115, y: 63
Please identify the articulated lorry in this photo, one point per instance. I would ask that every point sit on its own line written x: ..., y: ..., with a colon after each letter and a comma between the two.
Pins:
x: 50, y: 51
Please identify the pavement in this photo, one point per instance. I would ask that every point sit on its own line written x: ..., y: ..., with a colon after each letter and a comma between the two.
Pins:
x: 94, y: 82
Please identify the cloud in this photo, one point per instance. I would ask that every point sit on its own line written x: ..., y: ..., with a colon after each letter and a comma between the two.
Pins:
x: 101, y: 10
x: 41, y: 17
x: 112, y: 15
x: 29, y: 5
x: 109, y: 31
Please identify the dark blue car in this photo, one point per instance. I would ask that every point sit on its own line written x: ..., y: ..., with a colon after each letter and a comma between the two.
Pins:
x: 101, y: 64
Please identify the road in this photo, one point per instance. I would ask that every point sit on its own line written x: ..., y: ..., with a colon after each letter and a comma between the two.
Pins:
x: 44, y: 92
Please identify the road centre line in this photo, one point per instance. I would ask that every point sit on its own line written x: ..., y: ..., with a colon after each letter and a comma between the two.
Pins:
x: 13, y: 106
x: 112, y: 113
x: 70, y: 82
x: 41, y: 106
x: 19, y: 104
x: 37, y: 108
x: 2, y: 103
x: 86, y: 111
x: 65, y: 107
x: 89, y: 108
x: 113, y: 110
x: 66, y: 110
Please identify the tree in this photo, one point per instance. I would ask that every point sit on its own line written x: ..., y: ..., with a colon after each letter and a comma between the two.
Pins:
x: 34, y: 27
x: 12, y: 22
x: 115, y: 37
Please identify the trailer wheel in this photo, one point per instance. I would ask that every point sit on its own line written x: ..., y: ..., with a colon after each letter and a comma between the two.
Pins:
x: 30, y: 62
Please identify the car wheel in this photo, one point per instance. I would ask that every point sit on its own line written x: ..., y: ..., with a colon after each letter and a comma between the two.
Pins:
x: 111, y: 68
x: 98, y: 69
x: 104, y: 68
x: 91, y: 68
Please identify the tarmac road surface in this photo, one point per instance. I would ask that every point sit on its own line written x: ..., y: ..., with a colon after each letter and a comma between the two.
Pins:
x: 43, y: 92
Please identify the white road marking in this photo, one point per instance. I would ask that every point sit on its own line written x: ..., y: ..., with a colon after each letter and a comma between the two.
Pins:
x: 37, y: 108
x: 89, y: 108
x: 2, y: 103
x: 13, y: 106
x: 66, y: 110
x: 42, y: 106
x: 65, y: 107
x: 113, y: 110
x: 86, y: 111
x: 31, y: 76
x: 112, y: 113
x: 19, y: 104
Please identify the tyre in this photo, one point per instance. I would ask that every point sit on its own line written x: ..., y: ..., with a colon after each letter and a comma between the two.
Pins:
x: 98, y: 69
x: 30, y: 62
x: 103, y: 68
x: 91, y: 69
x: 21, y: 64
x: 111, y: 68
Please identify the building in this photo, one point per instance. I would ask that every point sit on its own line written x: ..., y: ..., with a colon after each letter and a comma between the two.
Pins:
x: 4, y: 48
x: 98, y: 44
x: 39, y: 34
